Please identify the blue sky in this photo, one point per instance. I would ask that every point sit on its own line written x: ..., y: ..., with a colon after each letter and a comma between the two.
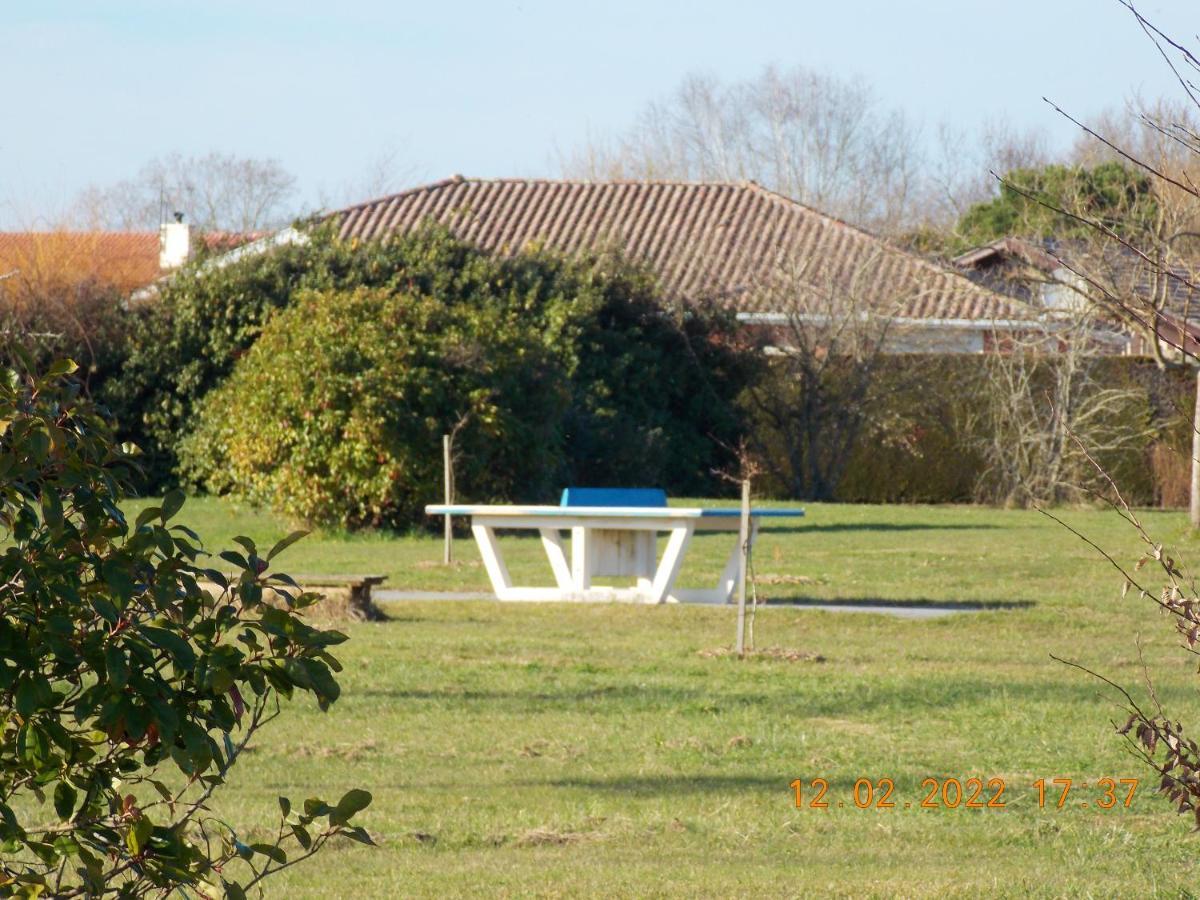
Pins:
x: 93, y: 90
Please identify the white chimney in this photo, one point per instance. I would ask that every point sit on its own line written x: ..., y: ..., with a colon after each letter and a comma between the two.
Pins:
x: 174, y: 243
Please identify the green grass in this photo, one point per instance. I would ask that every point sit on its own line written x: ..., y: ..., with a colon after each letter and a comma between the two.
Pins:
x: 569, y: 750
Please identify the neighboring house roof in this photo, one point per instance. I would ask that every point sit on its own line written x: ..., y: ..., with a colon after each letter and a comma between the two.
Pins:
x: 225, y: 241
x: 1011, y: 263
x: 704, y: 240
x: 123, y: 260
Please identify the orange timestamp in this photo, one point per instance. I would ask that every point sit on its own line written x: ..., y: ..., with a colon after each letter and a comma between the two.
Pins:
x: 969, y: 793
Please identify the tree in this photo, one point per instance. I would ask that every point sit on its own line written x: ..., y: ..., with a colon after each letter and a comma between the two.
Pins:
x: 824, y: 394
x: 61, y: 296
x: 216, y: 192
x: 128, y: 691
x: 350, y: 391
x: 1042, y: 399
x: 1030, y: 199
x: 1159, y: 739
x: 561, y: 369
x: 823, y: 141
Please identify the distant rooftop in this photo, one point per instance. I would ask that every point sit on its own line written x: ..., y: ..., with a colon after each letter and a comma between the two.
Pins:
x: 707, y: 240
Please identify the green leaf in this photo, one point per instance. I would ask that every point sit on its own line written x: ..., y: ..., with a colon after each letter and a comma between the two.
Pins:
x: 171, y: 504
x: 352, y: 801
x: 271, y: 851
x: 285, y: 806
x: 181, y: 651
x: 116, y: 665
x: 139, y: 835
x: 233, y: 890
x: 26, y: 698
x: 314, y: 806
x: 65, y: 798
x: 359, y: 834
x: 232, y: 556
x: 61, y: 367
x: 246, y: 544
x: 285, y: 543
x: 32, y: 744
x: 150, y: 512
x: 302, y: 836
x: 52, y: 510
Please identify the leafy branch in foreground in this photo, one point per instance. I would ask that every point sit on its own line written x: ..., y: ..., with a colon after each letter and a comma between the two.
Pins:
x: 127, y: 690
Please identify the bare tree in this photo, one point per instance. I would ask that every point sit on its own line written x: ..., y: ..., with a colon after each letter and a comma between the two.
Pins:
x: 384, y: 173
x: 1041, y: 400
x: 60, y: 296
x: 824, y: 141
x: 823, y: 394
x: 1152, y: 734
x: 959, y: 170
x: 217, y: 192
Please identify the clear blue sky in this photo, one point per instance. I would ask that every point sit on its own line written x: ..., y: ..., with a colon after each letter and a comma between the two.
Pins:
x: 94, y: 89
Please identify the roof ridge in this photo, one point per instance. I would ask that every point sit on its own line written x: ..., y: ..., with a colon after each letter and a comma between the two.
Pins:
x: 465, y: 179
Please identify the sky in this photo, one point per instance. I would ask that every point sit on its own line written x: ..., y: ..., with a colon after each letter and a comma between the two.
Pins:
x: 502, y: 88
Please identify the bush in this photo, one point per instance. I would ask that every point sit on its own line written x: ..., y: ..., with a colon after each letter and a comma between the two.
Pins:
x: 556, y: 369
x: 184, y: 342
x: 336, y: 414
x: 126, y: 692
x: 926, y: 449
x: 650, y: 393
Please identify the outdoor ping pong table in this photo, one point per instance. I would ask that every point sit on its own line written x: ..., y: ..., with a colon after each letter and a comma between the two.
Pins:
x: 609, y: 540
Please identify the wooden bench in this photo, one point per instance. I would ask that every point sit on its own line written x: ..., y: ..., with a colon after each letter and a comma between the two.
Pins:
x: 352, y: 593
x: 345, y: 596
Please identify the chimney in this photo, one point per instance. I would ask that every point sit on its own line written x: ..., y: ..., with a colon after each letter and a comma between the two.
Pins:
x: 174, y: 243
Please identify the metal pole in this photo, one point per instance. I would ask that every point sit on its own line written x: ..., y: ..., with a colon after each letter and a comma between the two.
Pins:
x: 448, y: 477
x: 743, y: 548
x: 1195, y: 505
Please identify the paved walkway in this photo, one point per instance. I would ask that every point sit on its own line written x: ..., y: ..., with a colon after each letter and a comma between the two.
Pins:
x: 922, y: 611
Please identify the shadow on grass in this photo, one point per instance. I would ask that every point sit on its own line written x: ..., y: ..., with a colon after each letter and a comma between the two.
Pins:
x: 918, y: 603
x: 838, y: 527
x: 841, y: 698
x: 649, y: 785
x: 833, y: 528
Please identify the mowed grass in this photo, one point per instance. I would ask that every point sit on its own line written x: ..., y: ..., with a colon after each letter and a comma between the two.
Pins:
x: 571, y: 750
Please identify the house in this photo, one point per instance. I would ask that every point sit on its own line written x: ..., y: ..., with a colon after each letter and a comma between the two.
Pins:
x: 1132, y: 299
x: 757, y: 253
x: 126, y: 262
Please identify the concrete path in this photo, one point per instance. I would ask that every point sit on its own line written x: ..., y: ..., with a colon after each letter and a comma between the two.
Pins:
x: 923, y: 611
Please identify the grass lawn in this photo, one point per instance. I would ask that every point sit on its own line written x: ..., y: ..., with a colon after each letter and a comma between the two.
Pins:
x: 567, y: 750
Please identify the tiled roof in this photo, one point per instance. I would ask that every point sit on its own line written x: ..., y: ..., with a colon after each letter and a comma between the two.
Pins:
x: 123, y: 260
x: 705, y: 240
x: 1110, y: 266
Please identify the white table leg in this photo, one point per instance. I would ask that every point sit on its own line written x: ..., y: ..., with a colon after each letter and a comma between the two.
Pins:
x: 645, y: 556
x: 668, y: 567
x: 493, y: 562
x: 557, y: 554
x: 726, y: 584
x: 581, y: 558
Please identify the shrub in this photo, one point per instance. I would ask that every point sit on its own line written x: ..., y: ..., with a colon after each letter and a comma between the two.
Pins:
x: 645, y: 386
x: 336, y: 414
x: 184, y: 342
x: 926, y: 448
x: 126, y: 692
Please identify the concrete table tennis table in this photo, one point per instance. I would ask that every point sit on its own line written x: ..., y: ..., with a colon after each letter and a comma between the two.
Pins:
x: 613, y: 533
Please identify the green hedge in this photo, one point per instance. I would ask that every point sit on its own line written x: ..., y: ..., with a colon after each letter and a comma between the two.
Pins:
x: 932, y: 460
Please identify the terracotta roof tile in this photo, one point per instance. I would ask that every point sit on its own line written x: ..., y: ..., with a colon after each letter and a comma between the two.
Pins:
x: 714, y: 240
x: 124, y: 260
